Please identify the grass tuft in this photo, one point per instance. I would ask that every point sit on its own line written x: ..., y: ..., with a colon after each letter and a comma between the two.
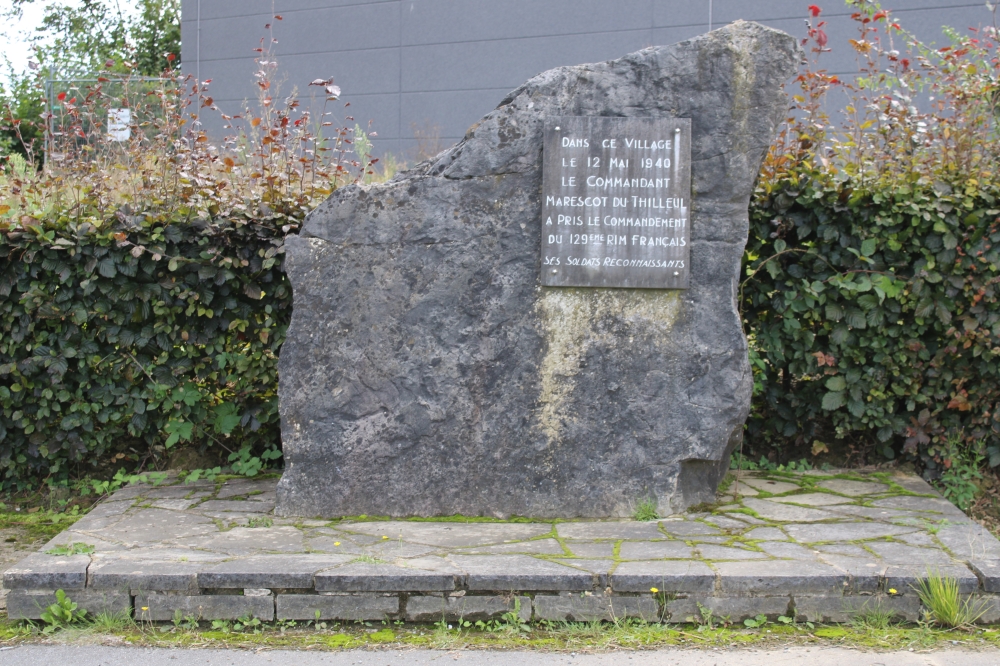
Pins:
x: 645, y: 510
x: 943, y: 603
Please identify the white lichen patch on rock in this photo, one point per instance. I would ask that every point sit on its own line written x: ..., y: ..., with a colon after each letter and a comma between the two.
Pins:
x: 569, y: 319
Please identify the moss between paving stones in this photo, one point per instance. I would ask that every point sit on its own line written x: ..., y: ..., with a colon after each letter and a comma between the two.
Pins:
x: 563, y: 636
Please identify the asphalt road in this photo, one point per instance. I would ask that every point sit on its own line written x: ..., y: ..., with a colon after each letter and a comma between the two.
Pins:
x: 80, y: 655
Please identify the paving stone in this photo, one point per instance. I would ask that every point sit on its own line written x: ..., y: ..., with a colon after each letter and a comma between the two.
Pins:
x: 989, y: 572
x: 129, y: 492
x: 520, y: 572
x: 435, y: 563
x: 914, y: 484
x: 921, y: 539
x: 683, y: 609
x: 71, y: 536
x: 138, y: 575
x: 535, y: 546
x: 726, y: 522
x: 392, y: 550
x: 712, y: 538
x: 813, y: 499
x: 766, y: 534
x: 235, y: 506
x: 877, y: 513
x: 683, y: 528
x: 925, y: 504
x: 830, y: 532
x: 591, y: 550
x: 843, y: 609
x: 610, y: 530
x: 365, y: 577
x: 775, y: 577
x: 904, y: 577
x: 784, y: 512
x: 864, y: 574
x: 169, y: 492
x: 900, y: 553
x: 713, y: 552
x: 990, y: 605
x: 249, y: 540
x: 30, y: 604
x: 594, y: 608
x: 173, y: 504
x: 741, y: 608
x: 771, y: 486
x: 746, y: 518
x: 741, y: 489
x: 669, y: 577
x: 109, y: 509
x: 335, y: 545
x: 268, y: 571
x: 339, y: 607
x: 849, y: 549
x: 48, y: 572
x: 94, y: 524
x: 969, y: 542
x: 160, y: 553
x: 787, y: 550
x: 655, y: 550
x: 153, y: 526
x: 243, y: 487
x: 853, y: 488
x: 466, y: 607
x: 600, y: 568
x: 163, y: 607
x: 452, y: 535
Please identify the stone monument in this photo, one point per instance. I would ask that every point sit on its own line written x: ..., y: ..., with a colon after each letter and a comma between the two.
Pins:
x: 542, y: 319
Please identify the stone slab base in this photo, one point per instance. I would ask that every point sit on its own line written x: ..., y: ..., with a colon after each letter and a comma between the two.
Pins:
x: 564, y: 607
x: 822, y: 546
x: 30, y: 604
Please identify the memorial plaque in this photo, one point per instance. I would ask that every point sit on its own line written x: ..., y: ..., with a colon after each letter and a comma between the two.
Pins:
x: 616, y: 198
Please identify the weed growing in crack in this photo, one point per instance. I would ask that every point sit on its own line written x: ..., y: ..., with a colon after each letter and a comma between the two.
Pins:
x: 944, y: 605
x: 61, y: 614
x: 645, y: 510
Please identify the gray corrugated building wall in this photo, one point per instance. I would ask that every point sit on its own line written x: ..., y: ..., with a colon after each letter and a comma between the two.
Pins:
x: 439, y: 65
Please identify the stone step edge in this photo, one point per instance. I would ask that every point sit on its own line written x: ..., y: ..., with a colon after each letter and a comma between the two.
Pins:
x: 578, y: 607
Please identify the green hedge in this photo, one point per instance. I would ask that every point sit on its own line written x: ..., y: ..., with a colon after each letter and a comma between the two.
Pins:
x: 122, y: 342
x: 873, y: 318
x: 874, y: 315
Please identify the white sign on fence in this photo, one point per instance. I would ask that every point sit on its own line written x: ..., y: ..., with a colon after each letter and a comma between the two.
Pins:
x: 118, y: 124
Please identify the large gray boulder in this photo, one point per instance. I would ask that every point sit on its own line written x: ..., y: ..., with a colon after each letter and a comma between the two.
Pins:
x: 426, y: 371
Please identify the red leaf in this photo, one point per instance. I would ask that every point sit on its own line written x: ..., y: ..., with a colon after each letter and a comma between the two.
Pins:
x: 814, y: 10
x: 821, y: 38
x: 61, y: 96
x: 171, y: 57
x: 278, y: 16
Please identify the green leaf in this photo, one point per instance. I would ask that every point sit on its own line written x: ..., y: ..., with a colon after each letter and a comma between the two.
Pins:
x: 868, y: 247
x: 834, y: 400
x: 856, y: 319
x: 178, y: 431
x: 780, y: 245
x: 836, y: 383
x: 106, y: 267
x: 227, y: 417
